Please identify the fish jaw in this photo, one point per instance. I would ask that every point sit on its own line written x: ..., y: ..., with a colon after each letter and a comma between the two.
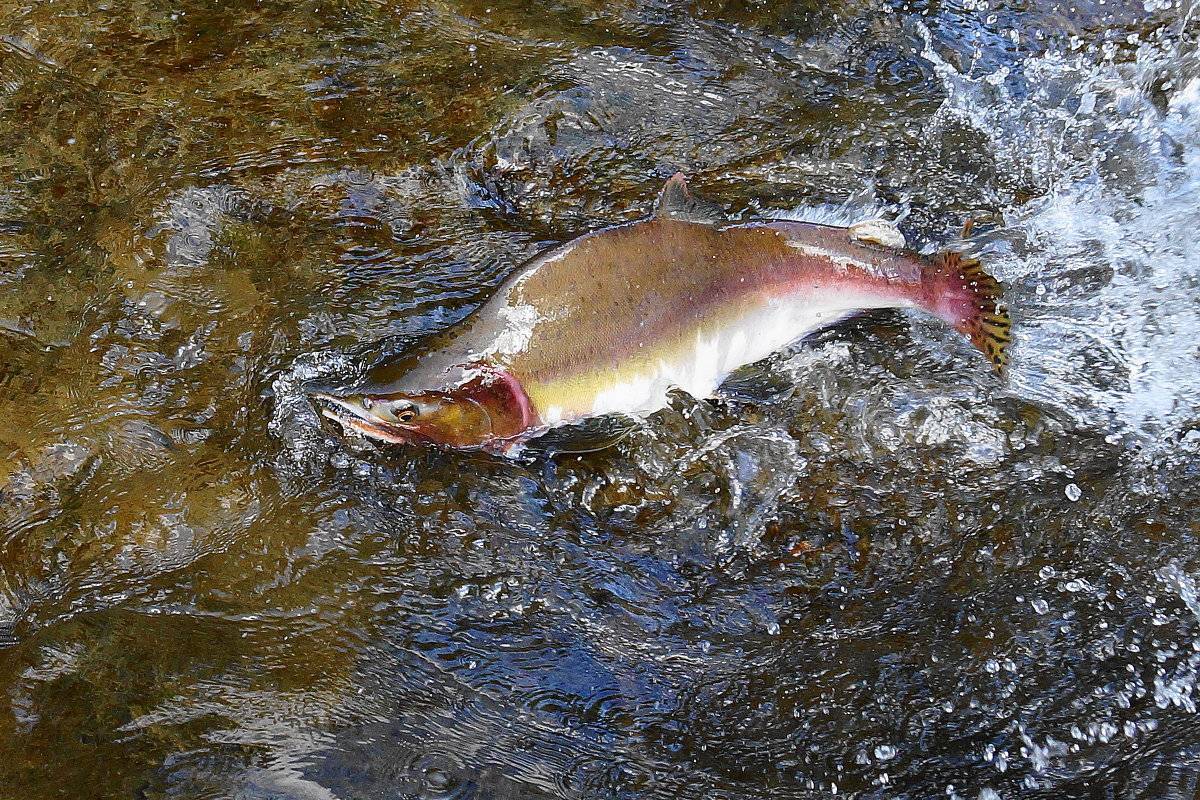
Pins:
x: 353, y: 417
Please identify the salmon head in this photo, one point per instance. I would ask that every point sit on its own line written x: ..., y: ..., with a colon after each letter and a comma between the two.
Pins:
x: 486, y: 410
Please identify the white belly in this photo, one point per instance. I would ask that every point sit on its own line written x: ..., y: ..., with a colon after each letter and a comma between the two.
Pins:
x: 714, y: 354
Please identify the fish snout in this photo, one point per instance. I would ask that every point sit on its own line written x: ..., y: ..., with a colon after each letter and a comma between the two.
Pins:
x: 352, y: 415
x: 331, y: 406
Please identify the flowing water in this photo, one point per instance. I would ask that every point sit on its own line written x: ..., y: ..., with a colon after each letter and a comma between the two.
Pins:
x: 870, y: 569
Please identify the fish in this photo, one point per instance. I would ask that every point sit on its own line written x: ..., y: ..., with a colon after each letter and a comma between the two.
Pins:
x: 611, y: 322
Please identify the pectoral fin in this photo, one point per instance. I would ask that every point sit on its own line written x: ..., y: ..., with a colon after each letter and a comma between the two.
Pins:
x: 585, y: 436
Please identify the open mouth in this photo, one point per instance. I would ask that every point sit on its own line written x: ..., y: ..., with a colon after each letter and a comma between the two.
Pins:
x: 354, y: 418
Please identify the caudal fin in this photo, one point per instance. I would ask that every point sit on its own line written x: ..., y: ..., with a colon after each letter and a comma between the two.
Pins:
x: 973, y: 305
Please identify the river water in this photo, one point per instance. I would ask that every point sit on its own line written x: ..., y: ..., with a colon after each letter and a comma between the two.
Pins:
x: 871, y: 569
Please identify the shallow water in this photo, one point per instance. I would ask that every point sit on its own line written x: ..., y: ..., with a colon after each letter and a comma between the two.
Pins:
x: 871, y: 569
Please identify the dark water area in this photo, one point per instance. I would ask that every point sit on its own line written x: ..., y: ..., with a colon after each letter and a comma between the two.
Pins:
x: 870, y: 569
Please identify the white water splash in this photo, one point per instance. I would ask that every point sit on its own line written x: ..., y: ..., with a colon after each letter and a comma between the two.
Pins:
x: 863, y: 210
x: 294, y: 421
x: 1104, y: 269
x: 1178, y: 686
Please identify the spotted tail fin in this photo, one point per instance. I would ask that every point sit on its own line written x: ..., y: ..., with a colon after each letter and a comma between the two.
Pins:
x: 973, y: 304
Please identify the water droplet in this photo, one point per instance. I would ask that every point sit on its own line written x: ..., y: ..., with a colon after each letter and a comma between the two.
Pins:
x: 1073, y: 492
x: 1040, y: 606
x: 885, y: 752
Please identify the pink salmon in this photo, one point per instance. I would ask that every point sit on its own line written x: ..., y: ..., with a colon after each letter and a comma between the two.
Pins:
x: 611, y: 321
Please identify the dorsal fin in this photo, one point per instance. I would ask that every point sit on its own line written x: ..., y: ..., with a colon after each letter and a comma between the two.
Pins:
x: 676, y: 201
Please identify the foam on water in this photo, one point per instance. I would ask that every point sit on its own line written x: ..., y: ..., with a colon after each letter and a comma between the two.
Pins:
x: 1103, y: 268
x: 862, y: 208
x: 294, y: 420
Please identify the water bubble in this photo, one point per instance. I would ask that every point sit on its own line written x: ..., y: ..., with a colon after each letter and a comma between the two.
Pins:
x: 885, y: 752
x: 1040, y: 606
x: 1073, y: 492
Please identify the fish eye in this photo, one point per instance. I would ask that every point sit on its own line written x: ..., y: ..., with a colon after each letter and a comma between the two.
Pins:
x: 404, y: 412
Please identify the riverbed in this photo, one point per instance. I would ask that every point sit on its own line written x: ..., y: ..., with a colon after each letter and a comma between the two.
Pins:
x: 870, y: 568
